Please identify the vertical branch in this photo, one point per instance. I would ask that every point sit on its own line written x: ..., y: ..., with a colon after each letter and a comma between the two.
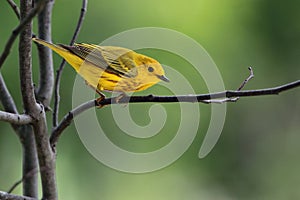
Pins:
x: 25, y: 60
x: 30, y: 161
x: 61, y: 67
x: 29, y: 151
x: 44, y: 92
x: 45, y: 155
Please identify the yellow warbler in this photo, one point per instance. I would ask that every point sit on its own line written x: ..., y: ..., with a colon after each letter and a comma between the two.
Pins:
x: 109, y: 68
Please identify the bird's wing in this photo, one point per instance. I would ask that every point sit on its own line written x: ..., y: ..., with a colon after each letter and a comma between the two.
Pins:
x: 114, y: 60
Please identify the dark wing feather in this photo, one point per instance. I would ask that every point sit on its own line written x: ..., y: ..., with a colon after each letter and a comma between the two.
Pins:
x: 112, y: 59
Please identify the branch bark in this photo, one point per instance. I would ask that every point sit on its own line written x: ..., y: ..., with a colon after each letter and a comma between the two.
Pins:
x: 29, y: 161
x: 46, y: 80
x: 26, y: 136
x: 225, y: 96
x: 15, y: 118
x: 7, y: 196
x: 36, y: 111
x: 7, y: 100
x: 15, y: 8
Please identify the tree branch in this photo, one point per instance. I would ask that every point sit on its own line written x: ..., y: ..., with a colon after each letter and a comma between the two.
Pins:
x: 15, y: 118
x: 6, y: 99
x: 26, y: 137
x: 19, y: 28
x: 29, y: 161
x: 61, y: 67
x: 36, y: 111
x: 66, y: 121
x: 27, y: 88
x: 7, y: 196
x: 46, y: 159
x: 15, y: 8
x: 44, y: 92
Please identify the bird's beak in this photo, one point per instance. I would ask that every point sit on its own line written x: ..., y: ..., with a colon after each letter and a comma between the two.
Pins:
x: 163, y: 78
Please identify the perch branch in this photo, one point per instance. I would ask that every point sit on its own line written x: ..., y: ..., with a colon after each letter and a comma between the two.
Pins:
x: 66, y: 121
x: 62, y: 64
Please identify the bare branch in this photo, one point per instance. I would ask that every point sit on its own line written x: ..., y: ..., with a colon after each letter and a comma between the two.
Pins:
x: 247, y: 79
x: 66, y: 121
x: 15, y: 8
x: 44, y: 92
x: 30, y: 161
x: 243, y: 84
x: 29, y: 174
x: 15, y: 118
x: 7, y: 196
x: 61, y: 67
x: 26, y: 137
x: 46, y: 159
x: 19, y: 28
x: 5, y: 98
x: 27, y: 88
x: 36, y: 111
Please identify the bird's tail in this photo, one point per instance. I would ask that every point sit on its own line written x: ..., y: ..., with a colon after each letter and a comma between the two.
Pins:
x: 70, y: 57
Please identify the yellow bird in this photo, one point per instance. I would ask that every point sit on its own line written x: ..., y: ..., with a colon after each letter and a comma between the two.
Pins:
x: 110, y: 68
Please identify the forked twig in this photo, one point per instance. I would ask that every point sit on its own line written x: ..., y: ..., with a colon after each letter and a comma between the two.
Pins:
x: 247, y: 79
x: 223, y: 100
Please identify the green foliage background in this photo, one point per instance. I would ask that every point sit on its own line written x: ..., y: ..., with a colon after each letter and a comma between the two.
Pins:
x: 257, y: 156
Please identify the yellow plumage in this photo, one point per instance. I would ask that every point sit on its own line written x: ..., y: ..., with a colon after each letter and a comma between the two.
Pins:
x: 110, y: 68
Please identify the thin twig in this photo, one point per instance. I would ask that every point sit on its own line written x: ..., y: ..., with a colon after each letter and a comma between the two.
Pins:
x: 251, y: 75
x: 247, y: 79
x: 28, y: 175
x: 66, y: 121
x: 61, y: 67
x: 220, y: 101
x: 19, y: 28
x: 6, y: 98
x: 15, y: 8
x: 7, y: 101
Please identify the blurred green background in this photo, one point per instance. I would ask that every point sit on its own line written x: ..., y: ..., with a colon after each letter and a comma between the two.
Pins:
x: 257, y: 156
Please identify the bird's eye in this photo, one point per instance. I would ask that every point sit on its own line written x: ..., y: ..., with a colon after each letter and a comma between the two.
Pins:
x: 150, y: 69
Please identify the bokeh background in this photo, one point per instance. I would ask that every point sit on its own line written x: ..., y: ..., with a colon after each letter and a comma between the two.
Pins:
x: 257, y: 156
